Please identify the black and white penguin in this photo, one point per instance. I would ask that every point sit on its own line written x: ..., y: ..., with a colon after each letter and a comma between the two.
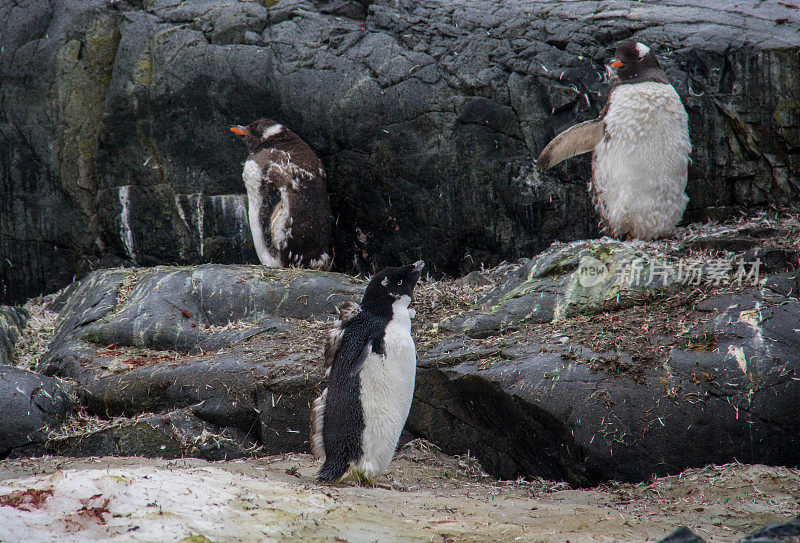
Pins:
x: 297, y: 230
x: 371, y: 366
x: 641, y: 149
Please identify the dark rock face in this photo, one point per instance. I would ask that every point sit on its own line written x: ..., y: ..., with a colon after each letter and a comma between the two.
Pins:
x: 114, y: 144
x: 211, y: 350
x: 32, y: 406
x: 175, y: 434
x: 526, y: 406
x: 683, y: 535
x: 776, y: 533
x: 12, y: 322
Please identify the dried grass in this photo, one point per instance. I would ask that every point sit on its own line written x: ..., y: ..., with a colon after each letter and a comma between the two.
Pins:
x: 129, y: 282
x: 437, y: 301
x: 83, y: 424
x: 784, y: 219
x: 37, y: 334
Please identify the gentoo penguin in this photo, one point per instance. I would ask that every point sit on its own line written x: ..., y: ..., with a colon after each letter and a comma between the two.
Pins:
x: 371, y: 364
x: 641, y: 149
x: 297, y: 231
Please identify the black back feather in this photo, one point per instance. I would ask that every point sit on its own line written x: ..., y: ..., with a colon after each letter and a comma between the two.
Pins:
x: 344, y: 417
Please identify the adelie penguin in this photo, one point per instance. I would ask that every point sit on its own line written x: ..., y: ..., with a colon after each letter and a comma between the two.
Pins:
x: 297, y: 230
x: 640, y: 145
x: 371, y: 365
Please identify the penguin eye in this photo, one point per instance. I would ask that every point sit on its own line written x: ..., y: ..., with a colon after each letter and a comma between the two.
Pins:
x: 400, y: 282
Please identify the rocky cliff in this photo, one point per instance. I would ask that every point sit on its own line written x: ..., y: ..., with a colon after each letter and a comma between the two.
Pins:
x: 114, y: 148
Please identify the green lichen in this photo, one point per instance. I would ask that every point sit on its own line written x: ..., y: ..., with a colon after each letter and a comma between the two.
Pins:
x: 196, y: 539
x: 143, y: 74
x: 84, y: 69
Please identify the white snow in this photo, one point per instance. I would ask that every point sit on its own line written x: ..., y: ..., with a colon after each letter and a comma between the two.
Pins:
x: 150, y: 504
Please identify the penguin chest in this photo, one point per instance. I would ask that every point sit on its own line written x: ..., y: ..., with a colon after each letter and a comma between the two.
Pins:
x: 252, y: 177
x: 387, y: 388
x: 640, y: 166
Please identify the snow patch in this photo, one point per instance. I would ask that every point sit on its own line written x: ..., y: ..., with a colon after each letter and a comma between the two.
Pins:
x: 164, y: 505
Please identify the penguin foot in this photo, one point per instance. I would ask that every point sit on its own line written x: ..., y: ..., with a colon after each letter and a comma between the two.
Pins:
x: 358, y: 478
x: 362, y: 479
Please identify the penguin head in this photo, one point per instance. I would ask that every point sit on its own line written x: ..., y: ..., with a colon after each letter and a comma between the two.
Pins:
x: 632, y: 59
x: 390, y: 286
x: 262, y: 131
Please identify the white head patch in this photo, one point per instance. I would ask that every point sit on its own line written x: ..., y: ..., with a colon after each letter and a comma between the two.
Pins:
x: 385, y: 281
x: 641, y: 48
x: 273, y: 130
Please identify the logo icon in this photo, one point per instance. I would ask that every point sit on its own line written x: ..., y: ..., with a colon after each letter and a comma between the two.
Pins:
x: 591, y: 271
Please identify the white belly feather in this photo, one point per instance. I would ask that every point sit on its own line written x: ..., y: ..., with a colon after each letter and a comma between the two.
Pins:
x: 387, y: 388
x: 640, y: 169
x: 251, y: 175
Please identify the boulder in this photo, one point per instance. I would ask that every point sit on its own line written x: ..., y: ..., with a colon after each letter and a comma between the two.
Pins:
x: 12, y: 322
x: 187, y: 310
x: 115, y: 149
x: 583, y: 277
x: 683, y: 535
x: 625, y: 396
x: 175, y: 434
x: 777, y: 532
x: 235, y: 349
x: 33, y: 406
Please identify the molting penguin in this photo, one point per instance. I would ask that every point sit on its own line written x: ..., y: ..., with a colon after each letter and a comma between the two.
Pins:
x: 641, y: 149
x: 371, y: 365
x: 296, y: 231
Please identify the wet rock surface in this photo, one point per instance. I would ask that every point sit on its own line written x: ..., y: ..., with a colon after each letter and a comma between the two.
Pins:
x: 539, y: 401
x: 426, y: 115
x: 683, y: 535
x: 32, y: 405
x: 190, y: 310
x: 228, y: 350
x: 174, y: 434
x: 566, y: 280
x: 777, y: 532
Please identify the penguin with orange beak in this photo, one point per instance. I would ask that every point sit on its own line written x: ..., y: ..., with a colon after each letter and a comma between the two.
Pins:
x: 640, y: 145
x: 296, y: 231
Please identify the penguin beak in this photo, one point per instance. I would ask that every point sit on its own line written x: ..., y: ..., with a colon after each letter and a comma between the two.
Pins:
x: 615, y: 64
x: 239, y: 130
x: 418, y: 265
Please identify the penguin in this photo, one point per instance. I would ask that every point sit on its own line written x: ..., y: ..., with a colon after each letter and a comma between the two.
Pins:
x: 283, y: 168
x: 371, y: 364
x: 640, y: 145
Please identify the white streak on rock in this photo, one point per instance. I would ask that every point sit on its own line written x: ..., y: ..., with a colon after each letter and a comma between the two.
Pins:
x: 125, y: 230
x: 738, y: 354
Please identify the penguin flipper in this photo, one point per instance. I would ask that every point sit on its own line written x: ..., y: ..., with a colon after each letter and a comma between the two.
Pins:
x: 347, y: 311
x: 343, y: 419
x: 575, y: 140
